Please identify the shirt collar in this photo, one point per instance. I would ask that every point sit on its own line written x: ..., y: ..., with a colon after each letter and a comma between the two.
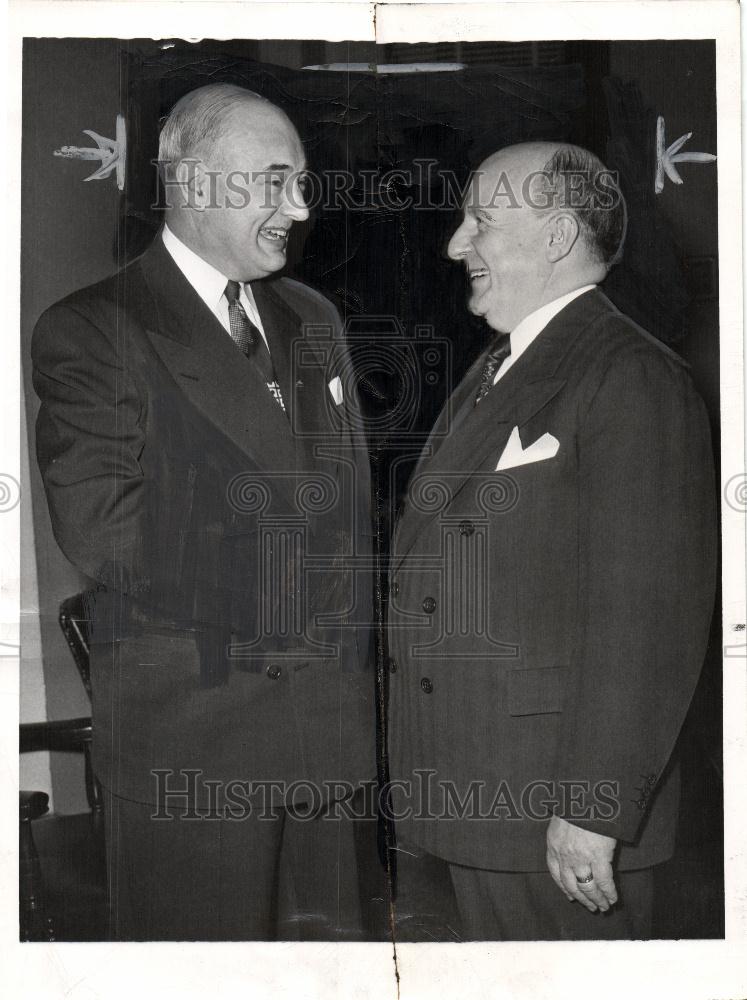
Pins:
x: 208, y: 282
x: 533, y: 324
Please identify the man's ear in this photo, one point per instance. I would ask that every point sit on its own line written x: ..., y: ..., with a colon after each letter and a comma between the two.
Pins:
x: 194, y: 182
x: 563, y: 232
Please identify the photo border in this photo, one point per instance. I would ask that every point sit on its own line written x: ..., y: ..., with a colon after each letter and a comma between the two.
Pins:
x: 685, y: 969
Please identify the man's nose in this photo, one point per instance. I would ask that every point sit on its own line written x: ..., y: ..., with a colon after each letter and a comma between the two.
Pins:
x: 460, y: 243
x: 294, y: 203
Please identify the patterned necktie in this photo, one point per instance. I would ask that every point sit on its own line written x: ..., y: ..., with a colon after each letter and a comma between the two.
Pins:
x: 250, y: 341
x: 498, y: 354
x: 244, y: 333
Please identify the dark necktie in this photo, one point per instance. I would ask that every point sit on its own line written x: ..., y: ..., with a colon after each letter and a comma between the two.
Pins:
x: 500, y: 350
x: 249, y: 340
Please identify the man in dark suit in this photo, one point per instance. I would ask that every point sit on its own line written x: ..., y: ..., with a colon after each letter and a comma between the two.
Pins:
x: 203, y: 466
x: 553, y: 577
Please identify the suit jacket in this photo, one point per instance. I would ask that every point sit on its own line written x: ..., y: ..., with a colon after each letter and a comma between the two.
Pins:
x: 548, y: 620
x: 230, y: 627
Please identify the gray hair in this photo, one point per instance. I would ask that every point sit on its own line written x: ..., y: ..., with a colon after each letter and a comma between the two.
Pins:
x: 600, y: 209
x: 198, y: 120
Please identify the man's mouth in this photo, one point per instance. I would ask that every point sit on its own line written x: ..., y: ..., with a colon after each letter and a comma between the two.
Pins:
x: 274, y: 234
x: 475, y: 273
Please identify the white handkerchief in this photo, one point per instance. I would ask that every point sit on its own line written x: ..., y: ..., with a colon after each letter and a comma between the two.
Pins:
x: 335, y: 387
x: 514, y: 454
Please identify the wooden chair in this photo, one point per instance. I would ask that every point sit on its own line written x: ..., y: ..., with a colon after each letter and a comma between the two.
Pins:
x: 62, y: 877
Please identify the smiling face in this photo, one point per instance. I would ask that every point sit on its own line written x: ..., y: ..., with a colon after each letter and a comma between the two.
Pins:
x: 503, y: 242
x: 246, y: 194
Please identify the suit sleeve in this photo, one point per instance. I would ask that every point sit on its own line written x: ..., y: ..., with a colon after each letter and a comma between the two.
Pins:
x: 648, y: 539
x: 89, y: 437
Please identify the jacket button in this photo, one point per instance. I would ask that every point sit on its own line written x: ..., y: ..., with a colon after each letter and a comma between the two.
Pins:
x: 392, y: 666
x: 641, y: 803
x: 395, y: 588
x: 651, y: 779
x: 429, y: 605
x: 466, y: 528
x: 426, y: 684
x: 274, y: 671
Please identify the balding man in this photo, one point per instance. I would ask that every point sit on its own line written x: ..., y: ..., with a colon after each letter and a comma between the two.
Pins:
x: 553, y: 577
x: 202, y: 466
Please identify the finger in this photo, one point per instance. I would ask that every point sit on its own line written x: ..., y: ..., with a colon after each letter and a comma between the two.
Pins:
x: 592, y: 892
x: 554, y: 869
x: 570, y: 884
x: 605, y: 880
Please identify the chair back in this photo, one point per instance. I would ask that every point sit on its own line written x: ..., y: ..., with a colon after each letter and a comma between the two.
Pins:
x: 76, y: 629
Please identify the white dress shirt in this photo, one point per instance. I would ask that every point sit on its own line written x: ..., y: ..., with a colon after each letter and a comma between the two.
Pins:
x: 532, y: 326
x: 210, y: 284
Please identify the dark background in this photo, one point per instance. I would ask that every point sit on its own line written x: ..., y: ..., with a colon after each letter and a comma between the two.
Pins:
x: 386, y: 269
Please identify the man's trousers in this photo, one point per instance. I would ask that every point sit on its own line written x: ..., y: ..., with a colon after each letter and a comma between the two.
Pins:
x: 437, y: 900
x: 223, y: 879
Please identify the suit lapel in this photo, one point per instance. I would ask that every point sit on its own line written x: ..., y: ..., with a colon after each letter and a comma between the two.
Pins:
x: 484, y: 430
x: 453, y: 411
x: 281, y: 328
x: 300, y: 366
x: 218, y: 380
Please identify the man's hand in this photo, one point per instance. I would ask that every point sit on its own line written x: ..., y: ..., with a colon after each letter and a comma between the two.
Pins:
x: 573, y: 852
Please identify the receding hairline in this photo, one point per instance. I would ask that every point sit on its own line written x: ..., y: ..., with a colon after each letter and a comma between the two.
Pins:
x: 523, y: 158
x: 602, y: 227
x: 535, y: 149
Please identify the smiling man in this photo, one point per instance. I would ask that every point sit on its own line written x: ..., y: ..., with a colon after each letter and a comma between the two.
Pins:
x: 183, y: 401
x: 550, y: 613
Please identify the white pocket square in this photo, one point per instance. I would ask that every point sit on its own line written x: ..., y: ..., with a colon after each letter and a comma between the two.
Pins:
x: 335, y: 387
x: 514, y: 454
